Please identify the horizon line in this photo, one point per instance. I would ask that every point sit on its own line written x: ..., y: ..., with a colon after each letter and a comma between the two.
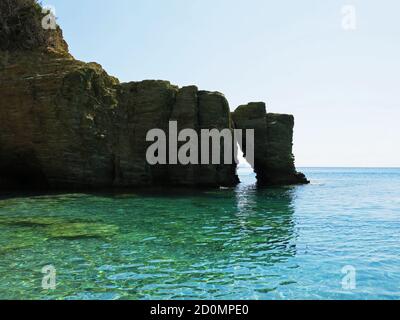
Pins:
x: 350, y: 167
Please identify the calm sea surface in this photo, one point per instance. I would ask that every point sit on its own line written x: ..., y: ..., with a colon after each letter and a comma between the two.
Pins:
x: 244, y: 243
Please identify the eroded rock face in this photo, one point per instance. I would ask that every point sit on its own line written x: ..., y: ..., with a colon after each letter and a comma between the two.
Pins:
x: 46, y: 105
x: 68, y: 124
x: 273, y: 144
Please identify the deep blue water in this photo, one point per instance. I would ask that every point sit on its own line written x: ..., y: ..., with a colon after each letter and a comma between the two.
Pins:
x: 244, y: 243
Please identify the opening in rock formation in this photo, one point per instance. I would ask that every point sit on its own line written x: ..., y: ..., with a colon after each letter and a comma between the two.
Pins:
x: 244, y: 170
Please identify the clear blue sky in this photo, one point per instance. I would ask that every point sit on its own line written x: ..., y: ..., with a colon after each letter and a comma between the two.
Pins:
x: 342, y: 86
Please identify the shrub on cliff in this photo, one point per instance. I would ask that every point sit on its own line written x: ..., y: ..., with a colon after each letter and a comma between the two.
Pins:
x: 21, y: 27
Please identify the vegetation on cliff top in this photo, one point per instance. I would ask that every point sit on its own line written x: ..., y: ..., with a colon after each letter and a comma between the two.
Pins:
x: 21, y: 27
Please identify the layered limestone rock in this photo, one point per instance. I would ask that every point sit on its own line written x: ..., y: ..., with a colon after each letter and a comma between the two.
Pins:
x: 196, y: 110
x: 68, y: 124
x: 273, y: 144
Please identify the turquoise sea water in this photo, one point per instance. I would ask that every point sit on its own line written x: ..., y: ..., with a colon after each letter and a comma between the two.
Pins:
x: 244, y: 243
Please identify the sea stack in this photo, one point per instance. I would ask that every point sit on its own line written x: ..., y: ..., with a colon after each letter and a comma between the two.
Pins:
x: 273, y: 144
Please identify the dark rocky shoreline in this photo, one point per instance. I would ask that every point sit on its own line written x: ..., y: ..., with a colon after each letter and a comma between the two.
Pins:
x: 66, y: 124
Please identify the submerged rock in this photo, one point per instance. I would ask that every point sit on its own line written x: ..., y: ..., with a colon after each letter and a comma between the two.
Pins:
x: 81, y: 230
x: 18, y: 239
x: 68, y: 124
x: 30, y: 221
x: 48, y: 227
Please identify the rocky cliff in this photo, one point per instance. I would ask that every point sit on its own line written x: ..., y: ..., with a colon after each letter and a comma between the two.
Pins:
x: 68, y: 124
x: 273, y: 144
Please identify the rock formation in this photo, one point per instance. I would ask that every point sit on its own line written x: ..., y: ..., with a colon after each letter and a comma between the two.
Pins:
x: 68, y: 124
x: 273, y: 142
